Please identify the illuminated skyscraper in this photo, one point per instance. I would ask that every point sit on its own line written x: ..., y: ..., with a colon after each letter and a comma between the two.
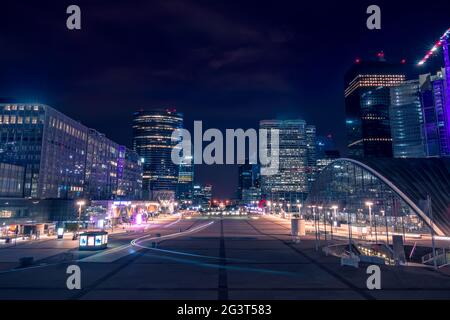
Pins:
x: 185, y: 179
x: 311, y: 159
x: 291, y: 181
x: 245, y: 181
x: 152, y: 140
x: 367, y: 99
x: 202, y: 195
x: 436, y: 118
x: 407, y: 126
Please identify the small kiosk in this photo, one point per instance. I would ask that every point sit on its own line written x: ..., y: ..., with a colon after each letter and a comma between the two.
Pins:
x: 93, y: 240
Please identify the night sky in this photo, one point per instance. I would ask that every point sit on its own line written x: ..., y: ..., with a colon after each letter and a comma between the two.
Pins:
x: 228, y: 63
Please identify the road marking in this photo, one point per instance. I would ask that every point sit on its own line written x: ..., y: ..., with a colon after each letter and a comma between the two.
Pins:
x: 119, y: 252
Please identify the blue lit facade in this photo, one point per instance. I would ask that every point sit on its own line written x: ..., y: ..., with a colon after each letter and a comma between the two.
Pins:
x: 437, y: 126
x: 407, y: 123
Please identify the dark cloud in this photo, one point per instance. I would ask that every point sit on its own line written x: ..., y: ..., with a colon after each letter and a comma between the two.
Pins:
x: 228, y: 63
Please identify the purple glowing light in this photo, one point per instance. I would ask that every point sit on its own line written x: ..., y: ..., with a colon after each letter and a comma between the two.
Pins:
x: 139, y: 219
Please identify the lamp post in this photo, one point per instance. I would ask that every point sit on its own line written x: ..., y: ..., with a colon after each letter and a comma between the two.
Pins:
x: 369, y: 205
x: 383, y: 214
x: 349, y: 221
x: 80, y: 203
x: 324, y: 225
x: 299, y: 206
x: 334, y: 207
x: 315, y: 227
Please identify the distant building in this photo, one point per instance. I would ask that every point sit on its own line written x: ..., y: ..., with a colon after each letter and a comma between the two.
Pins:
x: 248, y: 183
x: 407, y: 124
x: 291, y: 181
x: 436, y: 117
x: 367, y: 99
x: 202, y: 195
x: 328, y: 157
x: 311, y: 158
x: 326, y: 151
x: 185, y: 185
x: 324, y: 143
x: 251, y: 196
x: 152, y: 140
x: 245, y: 178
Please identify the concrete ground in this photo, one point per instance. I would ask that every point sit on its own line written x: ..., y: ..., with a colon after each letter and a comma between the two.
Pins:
x: 199, y: 258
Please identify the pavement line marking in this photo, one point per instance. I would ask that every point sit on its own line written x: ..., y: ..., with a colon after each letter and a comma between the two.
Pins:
x: 108, y: 256
x: 187, y: 253
x: 169, y: 236
x: 320, y: 265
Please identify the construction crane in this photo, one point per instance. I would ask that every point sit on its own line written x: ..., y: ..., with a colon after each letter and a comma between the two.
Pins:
x: 442, y: 42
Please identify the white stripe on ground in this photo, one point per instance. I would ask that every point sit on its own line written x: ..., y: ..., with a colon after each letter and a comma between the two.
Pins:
x: 121, y: 251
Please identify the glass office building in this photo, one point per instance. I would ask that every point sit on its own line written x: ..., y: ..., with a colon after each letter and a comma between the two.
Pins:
x: 62, y: 159
x: 291, y: 182
x: 375, y: 199
x: 311, y: 159
x: 129, y: 175
x: 49, y: 145
x: 368, y: 133
x: 152, y: 140
x: 436, y: 119
x: 101, y: 166
x: 185, y: 180
x: 407, y: 125
x: 202, y: 195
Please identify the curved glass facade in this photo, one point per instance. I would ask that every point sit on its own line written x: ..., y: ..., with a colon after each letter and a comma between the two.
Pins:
x: 375, y: 199
x: 152, y: 140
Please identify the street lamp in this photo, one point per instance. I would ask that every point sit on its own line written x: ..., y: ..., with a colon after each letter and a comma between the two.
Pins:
x: 383, y: 214
x: 315, y: 227
x: 80, y: 203
x: 334, y: 218
x: 299, y: 206
x: 320, y: 208
x: 370, y: 204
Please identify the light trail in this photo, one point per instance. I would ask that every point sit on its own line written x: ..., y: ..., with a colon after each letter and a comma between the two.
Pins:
x: 199, y: 228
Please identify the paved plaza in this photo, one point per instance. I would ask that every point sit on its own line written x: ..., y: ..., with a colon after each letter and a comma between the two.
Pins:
x: 205, y: 258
